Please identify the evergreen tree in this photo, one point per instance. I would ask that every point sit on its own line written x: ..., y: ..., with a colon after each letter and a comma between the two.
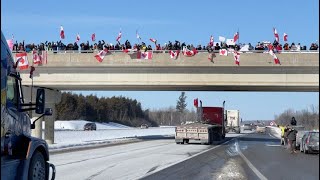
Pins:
x: 181, y: 103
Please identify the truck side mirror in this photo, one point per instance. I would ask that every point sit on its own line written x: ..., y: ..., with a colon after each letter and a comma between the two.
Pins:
x: 40, y: 101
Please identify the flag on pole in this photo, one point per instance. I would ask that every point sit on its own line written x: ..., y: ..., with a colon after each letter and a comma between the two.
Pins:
x: 101, y: 55
x: 119, y: 36
x: 275, y: 58
x: 276, y: 35
x: 138, y: 36
x: 22, y: 60
x: 236, y: 56
x: 153, y: 40
x: 285, y: 37
x: 174, y: 54
x: 93, y: 37
x: 78, y: 38
x: 236, y: 37
x: 31, y: 72
x: 211, y: 41
x: 10, y: 43
x: 195, y: 102
x: 61, y: 33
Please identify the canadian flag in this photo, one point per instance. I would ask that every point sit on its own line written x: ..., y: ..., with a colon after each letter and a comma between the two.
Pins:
x: 10, y: 44
x: 276, y: 35
x: 285, y: 36
x: 22, y: 60
x: 223, y: 52
x: 236, y: 37
x: 153, y: 40
x: 61, y: 33
x: 195, y: 102
x: 119, y: 36
x: 130, y: 51
x: 78, y: 38
x: 189, y: 53
x: 93, y: 37
x: 211, y: 40
x: 276, y: 59
x: 236, y: 56
x: 144, y: 55
x: 174, y: 55
x: 37, y: 59
x: 101, y: 55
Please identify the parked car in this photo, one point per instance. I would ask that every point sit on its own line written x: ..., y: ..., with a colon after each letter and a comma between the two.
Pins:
x: 261, y: 129
x: 90, y: 126
x: 299, y: 136
x: 144, y: 126
x: 310, y: 142
x: 246, y: 127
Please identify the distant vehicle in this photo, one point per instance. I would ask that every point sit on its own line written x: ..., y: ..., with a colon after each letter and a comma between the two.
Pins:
x: 261, y: 129
x: 90, y: 126
x: 310, y: 142
x: 246, y: 127
x: 144, y: 126
x: 233, y: 121
x: 208, y: 128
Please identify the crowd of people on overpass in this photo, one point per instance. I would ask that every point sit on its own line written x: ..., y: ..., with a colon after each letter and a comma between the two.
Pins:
x: 176, y: 45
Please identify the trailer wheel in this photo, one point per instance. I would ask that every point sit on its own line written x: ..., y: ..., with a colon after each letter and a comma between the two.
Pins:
x: 37, y: 170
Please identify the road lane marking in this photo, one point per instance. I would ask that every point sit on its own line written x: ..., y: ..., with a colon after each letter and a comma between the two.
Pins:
x: 254, y: 169
x: 169, y: 165
x: 273, y: 145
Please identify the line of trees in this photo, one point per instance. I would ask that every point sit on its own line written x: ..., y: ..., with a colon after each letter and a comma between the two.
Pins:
x: 309, y: 117
x: 121, y: 110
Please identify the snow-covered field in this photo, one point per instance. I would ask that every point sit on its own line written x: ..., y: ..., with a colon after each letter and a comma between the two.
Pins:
x: 70, y: 134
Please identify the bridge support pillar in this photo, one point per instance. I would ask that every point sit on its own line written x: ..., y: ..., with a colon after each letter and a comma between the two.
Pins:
x: 52, y: 97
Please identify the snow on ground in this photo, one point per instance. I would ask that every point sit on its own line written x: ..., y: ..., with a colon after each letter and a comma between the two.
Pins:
x: 70, y: 134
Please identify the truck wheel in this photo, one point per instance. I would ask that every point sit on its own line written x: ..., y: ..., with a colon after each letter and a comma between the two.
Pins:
x: 37, y: 170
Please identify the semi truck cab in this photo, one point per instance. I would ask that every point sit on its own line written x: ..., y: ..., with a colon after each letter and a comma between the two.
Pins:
x: 22, y: 156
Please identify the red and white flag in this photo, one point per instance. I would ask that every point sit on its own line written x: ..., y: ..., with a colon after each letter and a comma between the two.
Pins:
x: 144, y: 55
x: 10, y: 43
x: 236, y: 56
x: 37, y: 59
x: 61, y: 33
x: 195, y: 102
x: 153, y: 40
x: 276, y: 35
x: 285, y: 37
x: 22, y: 60
x: 276, y: 59
x: 211, y: 40
x: 236, y: 37
x: 223, y: 52
x: 189, y: 53
x: 93, y: 37
x: 101, y: 55
x: 130, y: 51
x: 174, y: 55
x: 78, y: 38
x: 119, y: 36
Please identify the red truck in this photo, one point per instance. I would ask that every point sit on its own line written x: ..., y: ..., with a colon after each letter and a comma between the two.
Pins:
x: 207, y: 129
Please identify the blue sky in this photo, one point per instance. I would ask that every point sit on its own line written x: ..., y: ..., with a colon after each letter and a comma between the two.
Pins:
x: 188, y: 21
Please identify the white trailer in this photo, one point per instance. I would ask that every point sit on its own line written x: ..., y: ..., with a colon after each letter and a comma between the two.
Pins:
x: 233, y: 121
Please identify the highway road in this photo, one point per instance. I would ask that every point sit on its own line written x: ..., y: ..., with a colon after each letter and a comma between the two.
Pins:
x: 248, y: 156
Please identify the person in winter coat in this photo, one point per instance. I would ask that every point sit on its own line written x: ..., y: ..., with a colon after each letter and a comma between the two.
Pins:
x: 292, y: 139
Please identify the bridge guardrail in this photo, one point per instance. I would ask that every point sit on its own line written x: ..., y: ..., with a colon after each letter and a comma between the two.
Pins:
x: 167, y: 51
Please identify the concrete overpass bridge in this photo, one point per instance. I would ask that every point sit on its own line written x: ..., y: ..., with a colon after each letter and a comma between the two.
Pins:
x: 299, y: 71
x: 119, y: 71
